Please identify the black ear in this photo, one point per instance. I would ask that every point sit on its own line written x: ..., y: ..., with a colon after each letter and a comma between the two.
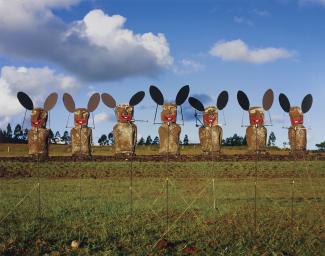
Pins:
x: 222, y: 100
x: 182, y: 95
x: 284, y: 102
x: 50, y: 101
x: 306, y: 103
x: 195, y: 103
x: 69, y: 102
x: 268, y: 99
x: 156, y: 95
x: 136, y: 98
x: 108, y: 100
x: 25, y: 101
x: 93, y: 102
x: 243, y: 100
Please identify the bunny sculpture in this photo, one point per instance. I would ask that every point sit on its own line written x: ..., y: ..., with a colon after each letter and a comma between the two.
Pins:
x: 125, y: 131
x: 38, y: 135
x: 210, y: 133
x: 169, y: 131
x: 256, y: 133
x: 297, y: 133
x: 81, y: 134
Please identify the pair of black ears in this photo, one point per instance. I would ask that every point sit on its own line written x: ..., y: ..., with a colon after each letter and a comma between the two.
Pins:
x: 221, y: 102
x: 27, y: 103
x: 110, y: 102
x: 71, y: 107
x: 306, y: 103
x: 181, y: 96
x: 267, y: 102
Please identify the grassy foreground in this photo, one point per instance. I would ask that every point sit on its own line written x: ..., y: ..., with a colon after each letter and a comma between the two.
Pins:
x: 210, y: 208
x: 11, y: 150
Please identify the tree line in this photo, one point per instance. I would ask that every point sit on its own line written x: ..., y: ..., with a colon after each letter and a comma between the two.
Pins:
x: 234, y: 140
x: 19, y: 135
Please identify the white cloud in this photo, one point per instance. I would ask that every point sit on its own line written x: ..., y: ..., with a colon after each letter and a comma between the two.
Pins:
x: 187, y: 66
x: 96, y: 48
x: 109, y: 32
x: 243, y: 20
x: 26, y: 13
x: 317, y: 2
x: 102, y: 117
x: 36, y: 82
x: 237, y: 50
x: 261, y: 13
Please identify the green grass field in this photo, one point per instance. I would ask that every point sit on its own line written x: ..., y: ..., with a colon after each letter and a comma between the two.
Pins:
x: 210, y: 208
x: 10, y: 150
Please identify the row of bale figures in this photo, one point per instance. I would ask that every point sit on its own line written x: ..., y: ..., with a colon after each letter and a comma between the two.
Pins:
x: 125, y: 130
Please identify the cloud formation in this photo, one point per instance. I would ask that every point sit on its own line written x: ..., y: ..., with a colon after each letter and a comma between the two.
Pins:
x: 243, y: 20
x: 317, y: 2
x: 237, y: 50
x: 96, y: 48
x: 34, y: 81
x: 187, y: 66
x: 102, y: 117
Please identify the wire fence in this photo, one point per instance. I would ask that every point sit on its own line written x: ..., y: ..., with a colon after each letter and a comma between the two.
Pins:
x: 251, y: 212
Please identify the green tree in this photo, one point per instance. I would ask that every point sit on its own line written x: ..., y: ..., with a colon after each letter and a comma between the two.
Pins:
x: 102, y: 140
x: 25, y: 134
x: 57, y: 137
x: 66, y: 137
x: 148, y: 140
x: 321, y: 146
x: 18, y: 132
x: 155, y: 141
x: 9, y: 131
x: 141, y: 141
x: 185, y: 140
x: 235, y: 140
x: 110, y: 138
x: 271, y: 140
x: 51, y: 135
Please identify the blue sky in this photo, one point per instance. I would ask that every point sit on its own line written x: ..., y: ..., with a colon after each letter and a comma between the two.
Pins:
x: 123, y: 46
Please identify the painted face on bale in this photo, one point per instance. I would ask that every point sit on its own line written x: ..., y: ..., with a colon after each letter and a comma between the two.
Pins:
x: 169, y: 113
x: 38, y: 118
x: 210, y: 116
x: 81, y: 117
x: 124, y: 113
x: 296, y: 116
x: 256, y: 116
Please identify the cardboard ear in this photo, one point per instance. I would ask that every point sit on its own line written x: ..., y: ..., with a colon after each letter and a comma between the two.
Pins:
x: 268, y: 99
x: 69, y: 102
x: 50, y: 101
x: 243, y: 100
x: 307, y: 103
x: 25, y: 101
x: 136, y: 98
x: 182, y: 95
x: 108, y: 100
x: 195, y: 103
x: 93, y: 102
x: 222, y: 100
x: 284, y: 102
x: 156, y: 95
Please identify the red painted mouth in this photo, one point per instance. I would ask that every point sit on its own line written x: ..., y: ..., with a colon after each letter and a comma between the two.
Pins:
x: 298, y: 120
x: 170, y: 118
x: 37, y: 123
x: 126, y: 117
x: 81, y: 121
x: 258, y: 120
x: 209, y: 119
